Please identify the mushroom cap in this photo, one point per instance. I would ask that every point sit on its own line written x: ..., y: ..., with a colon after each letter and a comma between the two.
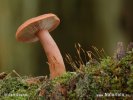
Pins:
x: 28, y: 30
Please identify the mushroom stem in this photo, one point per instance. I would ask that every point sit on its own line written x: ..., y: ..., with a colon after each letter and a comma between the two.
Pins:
x: 55, y: 60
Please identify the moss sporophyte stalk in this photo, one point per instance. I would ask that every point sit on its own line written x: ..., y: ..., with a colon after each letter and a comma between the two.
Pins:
x: 100, y: 77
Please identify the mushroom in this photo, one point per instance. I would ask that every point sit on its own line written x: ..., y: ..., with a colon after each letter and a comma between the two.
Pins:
x: 38, y: 28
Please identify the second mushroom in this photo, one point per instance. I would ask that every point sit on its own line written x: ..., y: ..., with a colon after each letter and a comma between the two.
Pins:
x: 38, y: 28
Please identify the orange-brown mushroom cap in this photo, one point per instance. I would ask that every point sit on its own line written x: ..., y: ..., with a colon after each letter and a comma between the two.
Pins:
x: 28, y: 30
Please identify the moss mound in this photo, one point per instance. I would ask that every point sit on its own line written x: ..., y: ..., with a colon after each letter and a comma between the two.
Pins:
x: 102, y: 77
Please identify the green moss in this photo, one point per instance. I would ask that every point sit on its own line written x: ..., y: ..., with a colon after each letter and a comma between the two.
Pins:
x: 16, y: 88
x: 106, y: 76
x: 64, y: 79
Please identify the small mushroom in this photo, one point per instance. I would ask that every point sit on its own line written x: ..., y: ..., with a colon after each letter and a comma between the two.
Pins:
x: 38, y: 28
